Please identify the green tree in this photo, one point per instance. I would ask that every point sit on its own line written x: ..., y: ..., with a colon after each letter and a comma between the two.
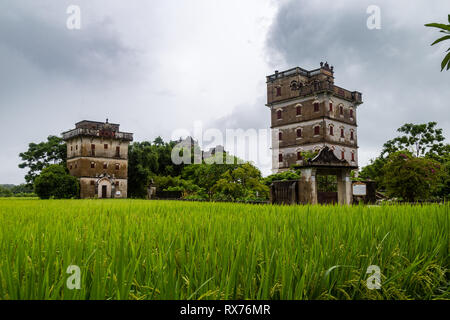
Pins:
x: 206, y: 175
x: 282, y: 176
x: 142, y: 163
x: 55, y: 182
x: 420, y: 139
x: 5, y: 192
x: 445, y: 28
x: 147, y: 160
x: 22, y: 189
x: 410, y: 178
x: 41, y: 155
x: 242, y: 183
x: 374, y: 171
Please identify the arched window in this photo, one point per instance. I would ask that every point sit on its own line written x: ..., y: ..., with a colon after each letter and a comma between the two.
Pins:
x: 280, y: 135
x: 331, y: 106
x: 341, y: 110
x: 353, y: 156
x: 298, y: 109
x: 351, y: 113
x: 331, y: 130
x: 294, y: 85
x: 278, y: 91
x: 352, y: 135
x: 299, y: 133
x: 280, y: 157
x: 316, y: 130
x: 342, y: 154
x: 342, y: 132
x: 299, y: 155
x: 316, y: 106
x: 278, y: 114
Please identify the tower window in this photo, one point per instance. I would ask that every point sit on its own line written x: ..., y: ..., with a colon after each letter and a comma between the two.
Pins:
x: 105, y: 165
x: 351, y: 135
x: 299, y: 133
x: 341, y: 110
x: 331, y: 130
x: 76, y: 147
x: 353, y: 156
x: 280, y: 157
x: 280, y: 135
x: 342, y: 155
x: 299, y: 110
x: 105, y: 146
x: 93, y: 149
x: 117, y: 166
x: 331, y: 106
x: 316, y: 107
x: 92, y: 165
x: 279, y: 114
x: 342, y: 132
x: 278, y: 91
x: 299, y: 155
x: 71, y: 148
x: 316, y: 130
x: 351, y: 113
x: 118, y: 152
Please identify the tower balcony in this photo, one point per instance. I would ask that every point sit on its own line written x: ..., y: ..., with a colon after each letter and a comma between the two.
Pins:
x: 328, y: 86
x: 109, y: 134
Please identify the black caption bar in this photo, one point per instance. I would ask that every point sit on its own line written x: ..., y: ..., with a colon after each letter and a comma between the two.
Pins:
x: 232, y: 310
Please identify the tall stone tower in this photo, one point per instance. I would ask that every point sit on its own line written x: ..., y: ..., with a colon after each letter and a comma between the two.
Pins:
x: 97, y: 154
x: 308, y: 113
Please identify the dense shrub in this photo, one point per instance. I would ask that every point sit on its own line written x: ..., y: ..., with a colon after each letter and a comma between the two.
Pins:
x: 55, y: 182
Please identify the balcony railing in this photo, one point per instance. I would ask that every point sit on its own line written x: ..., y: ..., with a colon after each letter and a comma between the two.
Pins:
x: 97, y: 133
x: 320, y: 86
x: 293, y: 71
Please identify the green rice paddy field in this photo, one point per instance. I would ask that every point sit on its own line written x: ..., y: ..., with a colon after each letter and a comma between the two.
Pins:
x: 133, y: 249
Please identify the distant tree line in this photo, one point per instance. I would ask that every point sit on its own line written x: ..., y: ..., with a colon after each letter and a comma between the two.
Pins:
x: 233, y: 179
x: 22, y: 190
x: 413, y: 166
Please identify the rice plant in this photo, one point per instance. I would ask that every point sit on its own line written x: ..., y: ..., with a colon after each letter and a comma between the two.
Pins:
x: 133, y: 249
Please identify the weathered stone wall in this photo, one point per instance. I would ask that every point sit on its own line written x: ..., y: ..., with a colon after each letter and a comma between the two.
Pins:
x: 289, y: 110
x: 81, y: 167
x: 82, y: 147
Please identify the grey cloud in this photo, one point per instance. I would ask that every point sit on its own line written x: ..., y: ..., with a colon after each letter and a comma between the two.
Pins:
x: 95, y: 52
x: 394, y: 67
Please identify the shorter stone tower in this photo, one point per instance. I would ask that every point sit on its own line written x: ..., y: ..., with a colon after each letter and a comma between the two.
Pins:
x: 97, y: 154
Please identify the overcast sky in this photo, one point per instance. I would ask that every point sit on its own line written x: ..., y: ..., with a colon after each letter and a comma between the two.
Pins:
x: 159, y: 66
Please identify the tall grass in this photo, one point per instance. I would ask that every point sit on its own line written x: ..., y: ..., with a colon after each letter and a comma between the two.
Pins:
x: 131, y: 249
